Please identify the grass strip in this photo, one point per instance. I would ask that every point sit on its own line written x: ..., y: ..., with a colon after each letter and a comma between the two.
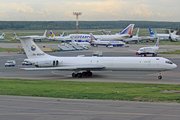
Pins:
x: 90, y: 90
x: 8, y: 49
x: 171, y: 52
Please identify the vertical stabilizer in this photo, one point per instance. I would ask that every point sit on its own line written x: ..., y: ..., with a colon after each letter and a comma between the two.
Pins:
x: 128, y: 30
x: 157, y: 42
x: 92, y: 37
x: 52, y: 34
x: 3, y: 35
x: 151, y: 32
x: 45, y: 33
x: 31, y: 49
x: 137, y: 34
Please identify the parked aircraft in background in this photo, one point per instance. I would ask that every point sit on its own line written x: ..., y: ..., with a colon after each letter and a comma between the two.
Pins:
x: 84, y: 44
x: 53, y: 37
x: 161, y: 36
x: 149, y: 50
x: 82, y: 66
x: 34, y: 37
x: 126, y: 33
x: 97, y: 42
x: 104, y: 33
x: 135, y: 39
x: 173, y: 37
x: 2, y: 36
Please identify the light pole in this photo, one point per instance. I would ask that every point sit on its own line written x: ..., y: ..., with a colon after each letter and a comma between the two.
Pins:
x: 77, y: 14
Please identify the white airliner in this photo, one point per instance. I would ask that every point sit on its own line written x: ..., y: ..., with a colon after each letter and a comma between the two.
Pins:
x: 161, y: 36
x: 149, y: 50
x: 97, y: 42
x: 53, y: 37
x: 82, y: 66
x: 84, y: 44
x: 126, y: 33
x: 136, y: 38
x: 173, y: 37
x: 2, y: 36
x: 37, y: 37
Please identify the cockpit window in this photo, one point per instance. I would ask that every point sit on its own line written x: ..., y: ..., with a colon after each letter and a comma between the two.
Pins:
x: 169, y: 62
x: 141, y: 49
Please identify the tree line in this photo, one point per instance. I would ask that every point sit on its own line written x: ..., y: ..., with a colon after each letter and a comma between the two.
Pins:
x: 71, y: 25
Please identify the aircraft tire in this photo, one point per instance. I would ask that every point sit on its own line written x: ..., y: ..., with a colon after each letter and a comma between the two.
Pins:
x: 79, y: 75
x: 89, y: 73
x: 159, y: 77
x: 84, y: 74
x: 74, y: 75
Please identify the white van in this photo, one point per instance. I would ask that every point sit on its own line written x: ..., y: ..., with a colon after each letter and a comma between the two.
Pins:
x: 10, y: 63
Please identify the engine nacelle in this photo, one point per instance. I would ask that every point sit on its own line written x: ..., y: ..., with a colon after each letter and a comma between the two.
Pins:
x: 47, y: 63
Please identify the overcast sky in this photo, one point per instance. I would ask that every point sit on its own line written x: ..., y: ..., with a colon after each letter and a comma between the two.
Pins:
x: 92, y: 10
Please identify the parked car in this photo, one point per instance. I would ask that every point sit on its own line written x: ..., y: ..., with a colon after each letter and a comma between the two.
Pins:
x: 26, y: 63
x: 10, y: 63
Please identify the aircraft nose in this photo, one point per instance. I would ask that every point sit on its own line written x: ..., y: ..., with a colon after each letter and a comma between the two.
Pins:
x: 174, y: 66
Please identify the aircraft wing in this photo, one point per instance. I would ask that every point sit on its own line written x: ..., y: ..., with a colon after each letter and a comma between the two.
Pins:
x: 70, y: 68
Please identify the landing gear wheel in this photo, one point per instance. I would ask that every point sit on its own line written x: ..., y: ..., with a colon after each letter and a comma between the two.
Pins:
x: 84, y: 74
x: 74, y: 75
x: 89, y: 73
x: 159, y: 77
x: 79, y: 75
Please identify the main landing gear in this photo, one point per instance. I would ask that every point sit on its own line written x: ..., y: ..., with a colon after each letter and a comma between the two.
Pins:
x: 83, y: 74
x: 159, y: 77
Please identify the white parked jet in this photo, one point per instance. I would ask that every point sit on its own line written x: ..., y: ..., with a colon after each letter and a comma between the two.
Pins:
x: 149, y: 50
x: 173, y: 37
x: 161, y: 36
x: 97, y: 42
x: 37, y: 37
x: 53, y: 37
x: 136, y: 38
x: 126, y: 33
x: 82, y: 66
x: 2, y: 36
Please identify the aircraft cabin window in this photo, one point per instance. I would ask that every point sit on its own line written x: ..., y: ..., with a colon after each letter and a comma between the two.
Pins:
x: 169, y: 62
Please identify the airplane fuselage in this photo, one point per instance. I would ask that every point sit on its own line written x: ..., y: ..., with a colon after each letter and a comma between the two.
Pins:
x: 112, y: 63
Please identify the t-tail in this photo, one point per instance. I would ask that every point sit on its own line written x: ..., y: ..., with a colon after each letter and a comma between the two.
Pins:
x: 31, y: 49
x: 52, y: 34
x: 128, y: 30
x: 151, y: 32
x: 157, y: 42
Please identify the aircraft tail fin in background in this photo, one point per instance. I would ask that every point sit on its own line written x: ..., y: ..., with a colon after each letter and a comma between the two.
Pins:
x: 128, y: 30
x: 45, y: 33
x: 3, y: 35
x: 15, y: 35
x: 137, y: 34
x: 52, y: 34
x: 31, y: 49
x: 151, y: 32
x: 157, y: 42
x: 92, y: 37
x: 63, y: 34
x: 103, y: 32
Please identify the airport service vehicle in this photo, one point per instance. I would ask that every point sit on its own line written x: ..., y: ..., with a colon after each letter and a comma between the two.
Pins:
x: 10, y: 63
x: 83, y: 66
x: 149, y: 50
x: 26, y: 63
